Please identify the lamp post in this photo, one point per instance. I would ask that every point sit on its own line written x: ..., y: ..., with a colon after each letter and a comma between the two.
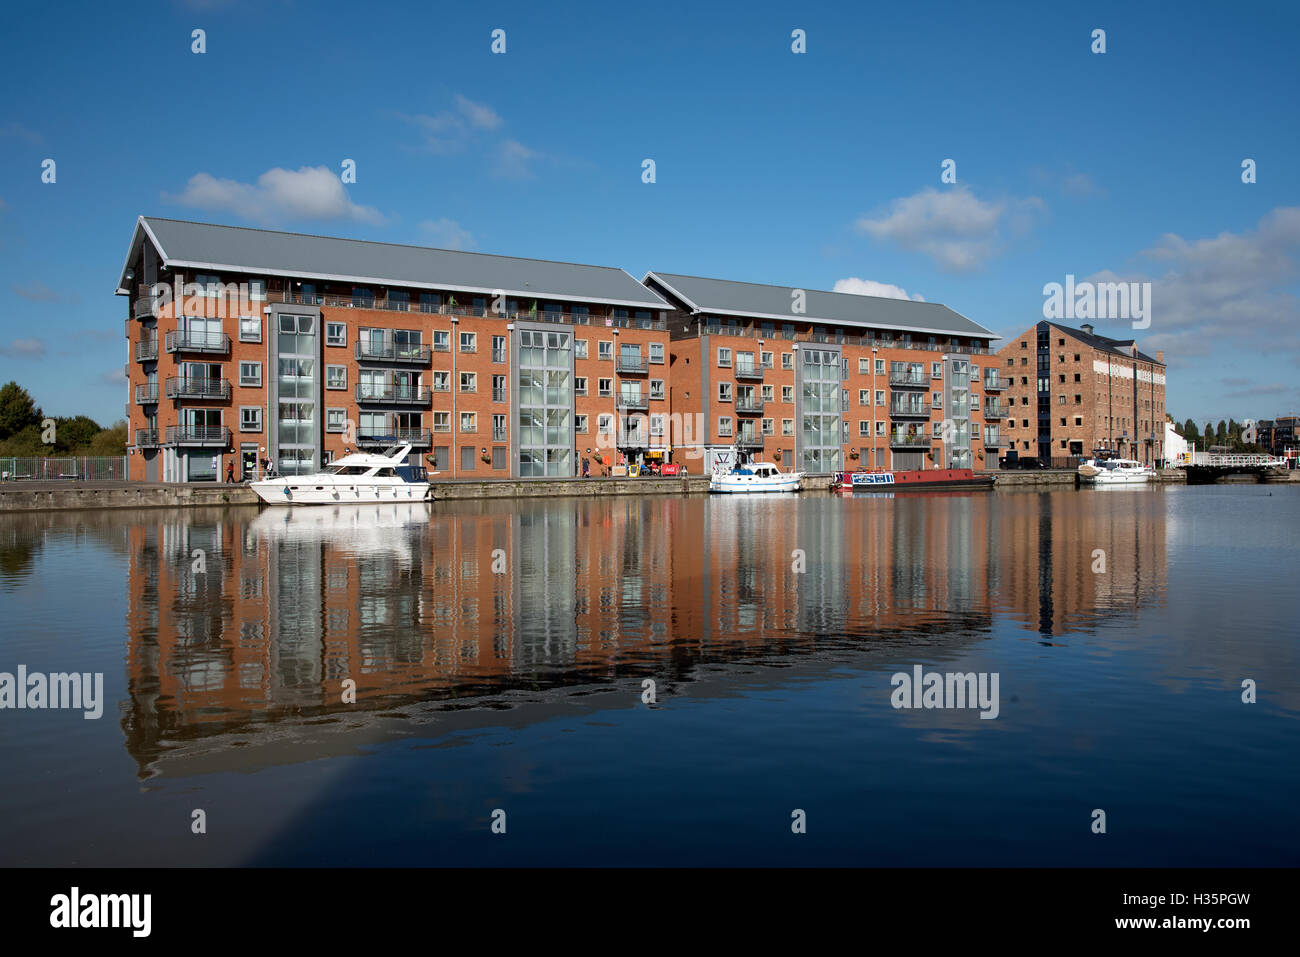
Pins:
x: 874, y: 350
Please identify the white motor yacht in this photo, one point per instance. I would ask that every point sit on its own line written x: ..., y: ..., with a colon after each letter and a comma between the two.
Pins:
x: 758, y: 477
x: 1114, y: 472
x: 359, y: 477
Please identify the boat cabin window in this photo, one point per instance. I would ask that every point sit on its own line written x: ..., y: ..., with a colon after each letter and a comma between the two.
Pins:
x: 347, y: 470
x: 385, y: 473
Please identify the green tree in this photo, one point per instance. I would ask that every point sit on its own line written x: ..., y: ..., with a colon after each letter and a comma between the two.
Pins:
x: 1190, y: 432
x: 25, y: 442
x: 17, y: 410
x: 1221, y: 433
x: 74, y: 434
x: 110, y: 441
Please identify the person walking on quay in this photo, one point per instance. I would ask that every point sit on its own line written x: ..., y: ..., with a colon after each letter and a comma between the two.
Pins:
x: 586, y: 467
x: 230, y: 472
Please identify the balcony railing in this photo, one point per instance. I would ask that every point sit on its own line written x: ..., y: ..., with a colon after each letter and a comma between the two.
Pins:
x: 368, y: 350
x: 749, y: 405
x: 995, y: 441
x: 749, y: 440
x: 747, y: 370
x: 633, y: 400
x: 145, y: 305
x: 499, y: 355
x: 204, y: 435
x: 146, y: 394
x: 909, y: 440
x: 499, y: 395
x: 418, y: 438
x: 631, y: 365
x: 393, y: 394
x: 500, y: 435
x: 993, y: 383
x: 146, y: 438
x: 994, y: 410
x: 909, y: 410
x: 846, y: 339
x: 146, y: 350
x: 633, y: 437
x: 192, y: 387
x: 909, y: 380
x: 189, y: 341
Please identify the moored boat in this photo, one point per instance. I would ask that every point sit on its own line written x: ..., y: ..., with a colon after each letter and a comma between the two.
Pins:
x: 1114, y: 472
x: 757, y: 477
x: 927, y: 479
x: 359, y: 477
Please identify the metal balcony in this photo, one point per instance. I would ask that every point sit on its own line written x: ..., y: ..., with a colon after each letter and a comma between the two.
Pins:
x: 393, y: 394
x: 633, y: 437
x: 752, y: 406
x: 418, y: 438
x: 909, y: 380
x: 630, y: 365
x: 996, y: 383
x: 146, y: 350
x: 146, y: 439
x: 208, y: 342
x: 993, y: 410
x: 146, y: 393
x: 201, y: 435
x: 909, y: 410
x: 146, y: 305
x: 903, y: 440
x: 368, y: 351
x: 633, y: 400
x: 996, y: 442
x: 749, y: 440
x: 751, y: 372
x: 189, y: 387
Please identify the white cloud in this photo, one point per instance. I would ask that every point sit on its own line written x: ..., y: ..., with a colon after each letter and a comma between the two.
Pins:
x: 447, y: 233
x: 39, y: 292
x: 513, y: 160
x: 955, y: 228
x: 869, y: 287
x: 451, y: 131
x: 24, y: 349
x: 479, y: 115
x: 1067, y: 180
x: 311, y: 192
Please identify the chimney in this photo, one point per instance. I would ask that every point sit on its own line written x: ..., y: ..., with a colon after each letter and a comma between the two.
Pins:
x: 1160, y: 356
x: 1133, y: 347
x: 1087, y: 327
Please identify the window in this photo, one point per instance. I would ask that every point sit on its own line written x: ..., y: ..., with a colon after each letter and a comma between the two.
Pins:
x: 864, y: 427
x: 580, y: 424
x: 336, y: 377
x: 787, y: 393
x: 441, y: 381
x: 974, y: 402
x: 336, y: 420
x: 336, y: 334
x: 250, y: 329
x: 1060, y: 400
x: 656, y: 388
x: 250, y: 418
x: 605, y: 387
x: 1076, y: 357
x: 657, y: 353
x: 787, y: 426
x: 211, y: 284
x: 880, y: 367
x: 579, y: 348
x: 787, y: 360
x: 724, y: 425
x: 498, y: 348
x: 441, y: 341
x: 605, y: 349
x: 469, y: 342
x: 1078, y: 400
x: 442, y: 421
x: 250, y: 373
x: 469, y: 421
x: 724, y: 357
x: 580, y: 385
x: 469, y: 382
x: 767, y: 427
x: 656, y: 425
x: 605, y: 424
x: 864, y: 366
x: 257, y: 290
x: 864, y: 397
x: 767, y: 392
x: 937, y: 429
x: 1078, y: 420
x: 880, y: 397
x: 498, y: 428
x: 765, y: 359
x: 498, y: 388
x: 936, y: 370
x: 724, y: 391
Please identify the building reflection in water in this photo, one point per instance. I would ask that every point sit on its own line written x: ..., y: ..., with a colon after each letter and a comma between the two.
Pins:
x: 419, y: 602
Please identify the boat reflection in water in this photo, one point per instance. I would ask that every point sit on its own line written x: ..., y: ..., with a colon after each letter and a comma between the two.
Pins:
x: 423, y: 605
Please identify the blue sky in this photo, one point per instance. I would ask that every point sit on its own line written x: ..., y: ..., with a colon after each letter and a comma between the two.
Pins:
x: 801, y: 169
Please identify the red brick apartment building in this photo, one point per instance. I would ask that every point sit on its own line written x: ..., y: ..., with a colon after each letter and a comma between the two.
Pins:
x: 821, y: 381
x: 1074, y: 391
x: 248, y: 344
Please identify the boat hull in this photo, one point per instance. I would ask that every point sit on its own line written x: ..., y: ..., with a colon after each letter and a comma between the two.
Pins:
x: 755, y: 483
x: 1110, y: 478
x: 921, y: 479
x: 307, y: 490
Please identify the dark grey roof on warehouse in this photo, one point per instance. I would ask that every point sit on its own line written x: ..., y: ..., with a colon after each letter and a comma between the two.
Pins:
x: 1121, y: 347
x: 724, y: 297
x: 206, y: 246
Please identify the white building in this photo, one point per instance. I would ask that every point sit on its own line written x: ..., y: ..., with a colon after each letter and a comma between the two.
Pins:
x: 1175, y: 444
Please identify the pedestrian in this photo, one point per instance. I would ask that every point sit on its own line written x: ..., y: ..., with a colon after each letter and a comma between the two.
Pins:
x: 230, y: 472
x: 586, y: 467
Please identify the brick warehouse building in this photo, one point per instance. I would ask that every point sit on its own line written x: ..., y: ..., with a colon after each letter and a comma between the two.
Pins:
x: 249, y: 344
x: 850, y: 381
x: 1073, y: 392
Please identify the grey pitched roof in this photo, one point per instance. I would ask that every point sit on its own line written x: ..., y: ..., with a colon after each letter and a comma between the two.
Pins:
x: 728, y: 298
x: 1104, y: 343
x: 269, y: 253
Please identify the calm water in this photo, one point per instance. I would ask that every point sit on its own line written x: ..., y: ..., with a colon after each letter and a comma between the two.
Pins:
x: 498, y: 653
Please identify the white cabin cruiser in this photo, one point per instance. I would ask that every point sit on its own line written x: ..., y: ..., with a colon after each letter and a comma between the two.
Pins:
x: 1114, y: 472
x: 757, y: 477
x: 359, y: 477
